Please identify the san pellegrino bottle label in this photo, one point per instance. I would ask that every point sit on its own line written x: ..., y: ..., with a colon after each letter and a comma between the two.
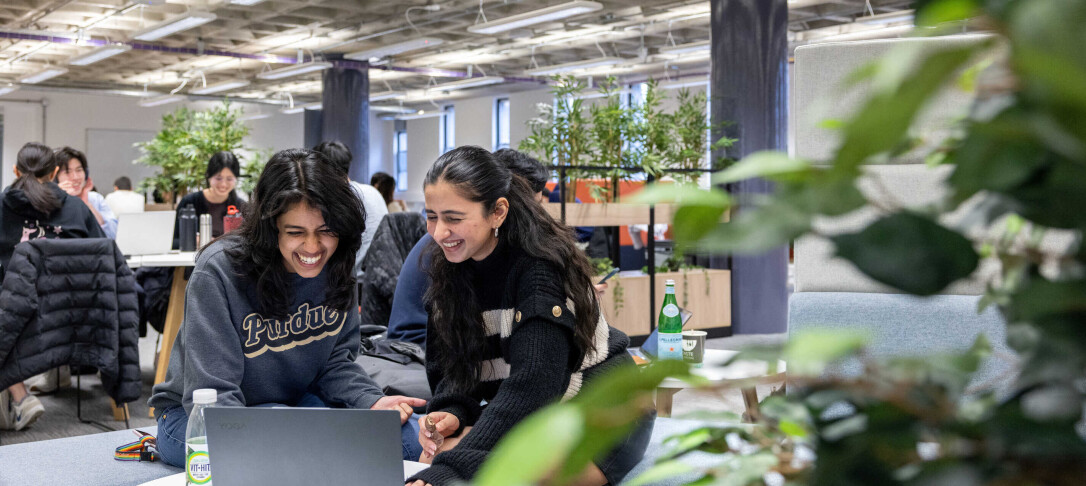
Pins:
x: 197, y: 462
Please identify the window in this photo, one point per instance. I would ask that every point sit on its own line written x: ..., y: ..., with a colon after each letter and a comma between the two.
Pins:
x: 399, y: 151
x: 447, y: 136
x: 501, y: 123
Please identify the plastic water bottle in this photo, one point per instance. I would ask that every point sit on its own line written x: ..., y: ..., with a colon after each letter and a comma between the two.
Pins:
x: 187, y: 228
x: 197, y: 461
x: 670, y: 327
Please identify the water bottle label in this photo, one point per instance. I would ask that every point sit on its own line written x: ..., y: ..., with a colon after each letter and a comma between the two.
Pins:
x: 671, y: 310
x: 198, y: 464
x: 670, y: 345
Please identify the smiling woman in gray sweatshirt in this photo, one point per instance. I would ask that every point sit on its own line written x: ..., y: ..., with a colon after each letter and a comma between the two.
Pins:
x: 270, y: 310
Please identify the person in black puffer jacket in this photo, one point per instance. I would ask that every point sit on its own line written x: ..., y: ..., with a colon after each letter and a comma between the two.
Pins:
x: 34, y: 208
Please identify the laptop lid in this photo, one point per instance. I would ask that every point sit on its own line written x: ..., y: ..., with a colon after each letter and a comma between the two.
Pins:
x: 297, y: 446
x: 147, y: 233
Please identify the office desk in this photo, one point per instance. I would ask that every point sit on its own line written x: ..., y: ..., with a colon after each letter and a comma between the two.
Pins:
x: 175, y: 310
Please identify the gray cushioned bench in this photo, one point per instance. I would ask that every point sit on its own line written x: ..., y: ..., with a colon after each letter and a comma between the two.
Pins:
x: 88, y: 459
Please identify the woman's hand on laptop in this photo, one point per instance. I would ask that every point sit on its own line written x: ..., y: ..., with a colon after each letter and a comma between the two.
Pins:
x: 400, y: 404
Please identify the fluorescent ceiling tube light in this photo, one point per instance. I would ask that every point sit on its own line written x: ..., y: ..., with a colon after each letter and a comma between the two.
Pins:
x: 316, y: 105
x: 383, y: 109
x: 548, y: 14
x: 294, y: 70
x: 161, y: 100
x: 422, y: 114
x: 393, y: 49
x: 246, y: 3
x: 574, y: 66
x: 255, y: 116
x: 39, y: 76
x: 8, y: 88
x: 888, y: 18
x: 221, y: 86
x: 467, y: 83
x: 99, y: 54
x: 687, y: 48
x: 387, y: 95
x: 174, y: 25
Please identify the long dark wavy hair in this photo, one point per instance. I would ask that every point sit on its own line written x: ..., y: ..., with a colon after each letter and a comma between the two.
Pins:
x: 458, y: 335
x: 36, y: 161
x: 292, y: 176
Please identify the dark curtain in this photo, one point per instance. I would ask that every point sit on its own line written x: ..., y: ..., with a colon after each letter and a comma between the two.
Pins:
x: 345, y: 115
x: 313, y: 124
x: 749, y: 87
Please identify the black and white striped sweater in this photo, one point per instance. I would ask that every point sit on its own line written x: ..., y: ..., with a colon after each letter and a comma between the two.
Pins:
x: 530, y: 360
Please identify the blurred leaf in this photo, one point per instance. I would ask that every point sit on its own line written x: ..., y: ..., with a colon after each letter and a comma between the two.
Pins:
x: 757, y: 230
x: 691, y: 222
x: 930, y: 13
x: 886, y: 117
x: 831, y: 124
x: 661, y: 473
x: 845, y: 427
x: 1052, y: 403
x: 766, y: 164
x: 534, y: 448
x: 744, y: 470
x: 909, y: 252
x: 808, y: 353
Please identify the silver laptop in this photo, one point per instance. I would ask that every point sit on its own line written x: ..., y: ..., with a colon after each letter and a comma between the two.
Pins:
x: 147, y: 233
x: 298, y: 446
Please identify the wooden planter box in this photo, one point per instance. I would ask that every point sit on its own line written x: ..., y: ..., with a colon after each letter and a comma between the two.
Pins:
x: 609, y: 214
x: 707, y: 294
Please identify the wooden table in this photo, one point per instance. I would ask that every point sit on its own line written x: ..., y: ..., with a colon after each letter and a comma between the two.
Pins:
x: 744, y: 374
x: 175, y: 310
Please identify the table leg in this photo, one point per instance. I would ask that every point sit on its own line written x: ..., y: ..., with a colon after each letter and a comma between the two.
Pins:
x: 175, y: 314
x: 750, y: 399
x: 664, y: 398
x: 120, y: 412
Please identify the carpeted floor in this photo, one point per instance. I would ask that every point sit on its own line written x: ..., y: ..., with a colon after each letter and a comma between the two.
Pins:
x: 60, y: 418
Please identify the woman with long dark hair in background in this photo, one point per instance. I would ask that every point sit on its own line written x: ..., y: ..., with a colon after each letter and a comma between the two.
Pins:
x: 290, y: 261
x: 34, y: 207
x: 514, y: 320
x: 223, y: 170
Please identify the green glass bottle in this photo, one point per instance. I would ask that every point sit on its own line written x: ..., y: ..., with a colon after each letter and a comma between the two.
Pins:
x: 670, y: 327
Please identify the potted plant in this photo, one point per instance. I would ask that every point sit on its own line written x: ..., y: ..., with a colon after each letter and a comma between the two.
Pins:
x: 182, y: 148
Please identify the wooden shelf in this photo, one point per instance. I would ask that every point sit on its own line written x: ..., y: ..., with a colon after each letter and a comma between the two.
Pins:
x: 609, y: 214
x: 706, y: 292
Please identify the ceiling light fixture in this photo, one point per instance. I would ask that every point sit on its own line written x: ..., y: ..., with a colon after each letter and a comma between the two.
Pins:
x: 391, y: 109
x: 99, y: 54
x: 161, y: 100
x: 467, y: 83
x: 387, y: 95
x: 294, y: 70
x: 221, y: 86
x: 255, y: 116
x: 889, y: 18
x: 8, y: 89
x: 394, y: 49
x: 316, y: 105
x: 422, y: 114
x: 174, y: 25
x: 539, y: 16
x: 246, y: 3
x: 574, y: 66
x: 39, y: 76
x: 687, y: 48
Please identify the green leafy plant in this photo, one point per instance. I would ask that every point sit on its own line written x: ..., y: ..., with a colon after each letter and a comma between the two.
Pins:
x: 187, y: 140
x: 691, y: 127
x: 252, y: 168
x: 561, y: 134
x: 611, y: 129
x: 1020, y: 159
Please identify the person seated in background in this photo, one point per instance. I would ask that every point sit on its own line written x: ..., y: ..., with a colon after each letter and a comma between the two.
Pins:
x: 122, y: 200
x: 290, y: 262
x: 222, y: 180
x: 34, y: 207
x: 514, y: 320
x: 584, y: 233
x: 74, y: 179
x: 340, y: 156
x: 386, y: 185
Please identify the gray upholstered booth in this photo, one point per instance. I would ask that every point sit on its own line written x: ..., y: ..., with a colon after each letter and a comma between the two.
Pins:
x: 829, y: 291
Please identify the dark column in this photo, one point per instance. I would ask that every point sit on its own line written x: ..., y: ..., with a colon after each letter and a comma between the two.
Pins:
x: 748, y: 87
x: 345, y: 115
x: 314, y: 122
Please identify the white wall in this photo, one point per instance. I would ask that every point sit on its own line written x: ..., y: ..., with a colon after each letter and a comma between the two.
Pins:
x: 381, y: 133
x: 69, y: 116
x: 422, y: 151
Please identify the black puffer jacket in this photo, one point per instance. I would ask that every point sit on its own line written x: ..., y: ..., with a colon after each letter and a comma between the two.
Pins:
x: 70, y: 302
x: 395, y: 236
